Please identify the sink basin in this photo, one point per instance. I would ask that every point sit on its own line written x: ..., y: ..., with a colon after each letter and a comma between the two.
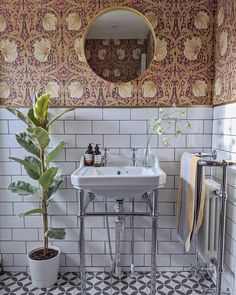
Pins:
x: 118, y: 180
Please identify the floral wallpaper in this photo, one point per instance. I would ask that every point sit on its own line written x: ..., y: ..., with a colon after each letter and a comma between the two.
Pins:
x: 40, y: 50
x: 115, y: 60
x: 225, y: 53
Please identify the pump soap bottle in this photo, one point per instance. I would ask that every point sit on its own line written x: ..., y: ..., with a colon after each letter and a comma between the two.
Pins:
x: 88, y: 156
x: 97, y: 157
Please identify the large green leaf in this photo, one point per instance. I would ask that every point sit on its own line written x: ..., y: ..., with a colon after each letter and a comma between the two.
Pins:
x: 54, y: 187
x: 50, y: 156
x: 32, y: 118
x: 23, y: 188
x: 57, y: 117
x: 39, y: 135
x: 47, y: 177
x: 56, y: 233
x: 31, y: 165
x: 21, y: 116
x: 35, y: 97
x: 31, y: 212
x: 27, y: 144
x: 41, y: 108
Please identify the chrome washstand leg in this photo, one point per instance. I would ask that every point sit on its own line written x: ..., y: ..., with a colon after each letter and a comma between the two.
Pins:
x: 119, y: 222
x: 154, y: 242
x: 82, y: 243
x: 132, y: 266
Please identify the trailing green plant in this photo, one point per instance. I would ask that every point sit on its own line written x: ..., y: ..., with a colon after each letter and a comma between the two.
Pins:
x: 168, y: 118
x: 35, y: 140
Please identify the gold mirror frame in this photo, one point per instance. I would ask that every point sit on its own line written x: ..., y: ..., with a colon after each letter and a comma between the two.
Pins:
x: 114, y: 8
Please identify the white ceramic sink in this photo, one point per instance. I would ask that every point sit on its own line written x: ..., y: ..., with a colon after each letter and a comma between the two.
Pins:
x: 118, y: 179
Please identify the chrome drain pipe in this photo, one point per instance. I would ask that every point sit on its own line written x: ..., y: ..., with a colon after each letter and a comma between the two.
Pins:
x: 90, y: 197
x: 112, y: 262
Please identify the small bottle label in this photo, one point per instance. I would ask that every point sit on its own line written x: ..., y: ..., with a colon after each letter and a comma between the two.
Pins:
x: 88, y: 159
x: 97, y: 160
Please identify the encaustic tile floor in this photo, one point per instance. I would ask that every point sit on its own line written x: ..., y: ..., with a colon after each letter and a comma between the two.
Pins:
x: 168, y: 283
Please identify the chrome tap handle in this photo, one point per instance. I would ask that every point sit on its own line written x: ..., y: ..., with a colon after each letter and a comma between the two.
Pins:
x: 105, y: 157
x: 133, y: 157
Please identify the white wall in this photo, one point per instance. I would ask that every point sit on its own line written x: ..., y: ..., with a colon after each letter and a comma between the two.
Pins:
x: 224, y: 140
x: 118, y: 129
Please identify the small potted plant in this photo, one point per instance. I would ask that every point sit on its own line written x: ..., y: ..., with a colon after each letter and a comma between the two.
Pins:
x: 43, y: 261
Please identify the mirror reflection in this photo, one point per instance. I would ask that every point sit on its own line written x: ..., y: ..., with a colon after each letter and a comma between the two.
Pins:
x: 119, y: 45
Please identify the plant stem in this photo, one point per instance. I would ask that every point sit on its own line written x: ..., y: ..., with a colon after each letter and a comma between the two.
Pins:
x: 44, y: 206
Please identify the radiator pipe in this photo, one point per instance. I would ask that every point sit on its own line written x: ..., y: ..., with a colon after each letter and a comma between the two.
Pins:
x: 221, y: 242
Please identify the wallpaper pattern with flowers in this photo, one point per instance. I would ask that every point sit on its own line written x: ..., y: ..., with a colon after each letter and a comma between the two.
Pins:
x: 225, y: 53
x: 115, y: 60
x: 40, y: 50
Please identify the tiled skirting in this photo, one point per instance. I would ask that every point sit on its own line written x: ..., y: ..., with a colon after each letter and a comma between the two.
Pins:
x: 168, y: 283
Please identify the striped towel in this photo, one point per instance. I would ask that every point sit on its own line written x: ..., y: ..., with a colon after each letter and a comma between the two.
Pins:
x: 191, y: 199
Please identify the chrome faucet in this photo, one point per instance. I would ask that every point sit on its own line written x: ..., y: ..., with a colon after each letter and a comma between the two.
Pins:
x: 105, y: 157
x: 133, y: 157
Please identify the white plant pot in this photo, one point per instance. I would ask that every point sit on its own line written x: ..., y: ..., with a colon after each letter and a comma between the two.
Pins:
x: 44, y: 272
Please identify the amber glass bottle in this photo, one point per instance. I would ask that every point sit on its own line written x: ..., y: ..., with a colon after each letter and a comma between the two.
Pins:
x: 97, y: 157
x: 88, y: 156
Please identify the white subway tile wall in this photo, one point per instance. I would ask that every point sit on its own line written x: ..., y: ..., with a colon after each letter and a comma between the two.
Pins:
x: 224, y: 141
x: 118, y: 129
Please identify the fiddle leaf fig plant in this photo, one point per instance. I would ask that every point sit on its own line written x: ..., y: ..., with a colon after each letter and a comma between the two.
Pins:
x: 35, y: 140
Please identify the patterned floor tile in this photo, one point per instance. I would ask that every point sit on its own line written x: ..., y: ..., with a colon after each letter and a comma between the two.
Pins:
x: 19, y: 284
x: 195, y: 285
x: 129, y: 286
x: 65, y: 284
x: 96, y: 283
x: 103, y: 283
x: 4, y: 278
x: 167, y: 283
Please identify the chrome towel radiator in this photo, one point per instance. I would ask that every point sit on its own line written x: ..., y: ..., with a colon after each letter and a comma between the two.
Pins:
x: 219, y: 261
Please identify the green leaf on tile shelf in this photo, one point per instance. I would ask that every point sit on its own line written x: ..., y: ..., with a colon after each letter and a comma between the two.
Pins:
x: 166, y: 120
x: 54, y: 187
x: 31, y: 212
x: 39, y: 136
x: 178, y: 133
x: 47, y: 177
x: 182, y: 113
x: 52, y: 154
x: 160, y: 130
x: 58, y: 116
x: 21, y: 116
x: 165, y: 142
x: 27, y: 144
x: 56, y: 233
x: 41, y: 108
x: 154, y: 124
x: 31, y: 165
x: 23, y: 188
x: 188, y: 125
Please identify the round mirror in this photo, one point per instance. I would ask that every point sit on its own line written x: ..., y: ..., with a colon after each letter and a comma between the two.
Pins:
x: 119, y: 45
